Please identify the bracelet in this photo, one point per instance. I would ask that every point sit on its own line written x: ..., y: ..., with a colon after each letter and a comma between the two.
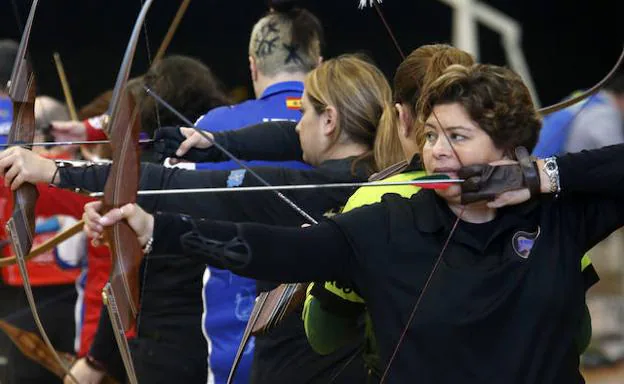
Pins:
x: 147, y: 248
x: 94, y: 364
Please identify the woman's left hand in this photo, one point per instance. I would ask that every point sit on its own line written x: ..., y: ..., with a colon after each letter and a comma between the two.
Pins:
x: 140, y: 221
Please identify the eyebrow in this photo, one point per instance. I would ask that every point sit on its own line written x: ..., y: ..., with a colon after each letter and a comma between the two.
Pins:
x: 451, y: 128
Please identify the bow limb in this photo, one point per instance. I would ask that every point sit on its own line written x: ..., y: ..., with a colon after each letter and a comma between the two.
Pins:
x: 69, y: 100
x: 35, y: 349
x: 566, y: 103
x: 46, y: 246
x: 171, y: 31
x: 21, y: 225
x: 121, y: 293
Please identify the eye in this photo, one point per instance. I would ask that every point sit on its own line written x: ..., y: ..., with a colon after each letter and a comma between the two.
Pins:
x: 431, y: 136
x: 457, y: 137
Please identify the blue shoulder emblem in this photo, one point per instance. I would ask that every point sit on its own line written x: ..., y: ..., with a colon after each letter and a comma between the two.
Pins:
x: 236, y: 177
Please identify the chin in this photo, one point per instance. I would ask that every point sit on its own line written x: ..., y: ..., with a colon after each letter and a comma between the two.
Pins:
x: 452, y: 195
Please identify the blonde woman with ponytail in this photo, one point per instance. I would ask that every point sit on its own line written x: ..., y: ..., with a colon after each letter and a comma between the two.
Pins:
x: 332, y: 310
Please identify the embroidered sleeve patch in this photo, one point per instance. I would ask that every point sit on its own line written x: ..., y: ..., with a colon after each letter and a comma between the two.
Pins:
x: 293, y: 103
x: 236, y: 177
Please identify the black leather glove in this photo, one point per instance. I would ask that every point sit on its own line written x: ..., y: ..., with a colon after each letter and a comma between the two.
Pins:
x: 167, y: 140
x: 483, y: 182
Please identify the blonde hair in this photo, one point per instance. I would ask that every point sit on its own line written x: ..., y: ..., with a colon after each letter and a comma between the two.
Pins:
x: 361, y: 95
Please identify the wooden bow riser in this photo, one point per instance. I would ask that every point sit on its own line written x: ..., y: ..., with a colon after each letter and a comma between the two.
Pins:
x: 125, y: 249
x: 278, y: 303
x: 21, y: 225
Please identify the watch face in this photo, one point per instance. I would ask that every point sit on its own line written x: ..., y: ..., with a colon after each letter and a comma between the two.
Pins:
x: 551, y: 166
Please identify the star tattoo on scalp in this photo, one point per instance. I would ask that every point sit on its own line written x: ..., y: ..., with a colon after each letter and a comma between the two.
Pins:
x: 292, y: 54
x: 266, y: 39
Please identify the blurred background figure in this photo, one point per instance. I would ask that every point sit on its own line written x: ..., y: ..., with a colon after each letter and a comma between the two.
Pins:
x: 593, y: 123
x: 52, y: 274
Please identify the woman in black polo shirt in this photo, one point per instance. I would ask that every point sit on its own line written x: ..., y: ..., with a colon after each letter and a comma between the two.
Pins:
x: 477, y: 283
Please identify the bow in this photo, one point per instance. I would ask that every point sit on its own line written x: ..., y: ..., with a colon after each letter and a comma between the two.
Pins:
x: 121, y: 293
x: 35, y: 349
x: 21, y: 225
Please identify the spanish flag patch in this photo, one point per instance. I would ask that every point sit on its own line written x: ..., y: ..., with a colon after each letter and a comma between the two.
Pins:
x: 293, y: 103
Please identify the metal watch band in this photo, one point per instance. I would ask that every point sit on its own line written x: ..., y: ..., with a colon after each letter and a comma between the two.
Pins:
x: 552, y: 171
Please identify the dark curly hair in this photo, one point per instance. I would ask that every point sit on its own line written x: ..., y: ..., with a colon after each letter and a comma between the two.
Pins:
x: 494, y: 97
x: 187, y: 84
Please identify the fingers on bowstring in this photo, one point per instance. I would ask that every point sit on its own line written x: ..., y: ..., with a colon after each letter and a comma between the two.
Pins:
x: 509, y: 198
x: 470, y: 171
x: 186, y: 145
x: 471, y: 184
x: 187, y: 131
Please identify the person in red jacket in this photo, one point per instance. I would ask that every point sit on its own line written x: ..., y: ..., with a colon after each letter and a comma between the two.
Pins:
x: 52, y: 279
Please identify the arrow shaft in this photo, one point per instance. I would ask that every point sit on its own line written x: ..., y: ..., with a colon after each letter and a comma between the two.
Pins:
x: 80, y: 142
x: 421, y: 184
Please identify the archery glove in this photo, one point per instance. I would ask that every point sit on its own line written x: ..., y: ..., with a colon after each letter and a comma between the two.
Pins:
x: 483, y: 182
x: 167, y: 140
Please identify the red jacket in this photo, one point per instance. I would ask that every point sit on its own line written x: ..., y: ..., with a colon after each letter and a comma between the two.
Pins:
x: 43, y: 270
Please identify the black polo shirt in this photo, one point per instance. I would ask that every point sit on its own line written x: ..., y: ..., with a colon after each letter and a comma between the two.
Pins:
x: 505, y: 301
x: 503, y: 305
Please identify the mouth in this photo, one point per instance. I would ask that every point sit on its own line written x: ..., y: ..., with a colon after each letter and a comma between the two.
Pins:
x: 450, y: 172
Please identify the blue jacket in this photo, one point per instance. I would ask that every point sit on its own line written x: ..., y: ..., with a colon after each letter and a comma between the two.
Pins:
x: 228, y: 298
x: 556, y: 127
x: 6, y: 117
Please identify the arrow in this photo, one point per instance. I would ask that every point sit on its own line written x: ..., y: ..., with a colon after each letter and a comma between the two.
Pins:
x: 426, y: 182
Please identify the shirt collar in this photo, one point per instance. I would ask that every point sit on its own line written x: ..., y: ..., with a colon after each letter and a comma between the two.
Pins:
x: 433, y: 214
x: 346, y: 166
x: 415, y: 164
x: 285, y: 86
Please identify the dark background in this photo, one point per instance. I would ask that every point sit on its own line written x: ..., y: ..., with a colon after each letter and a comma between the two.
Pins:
x: 568, y: 44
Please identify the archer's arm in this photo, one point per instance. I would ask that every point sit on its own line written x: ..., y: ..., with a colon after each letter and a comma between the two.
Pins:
x: 273, y: 253
x: 274, y: 140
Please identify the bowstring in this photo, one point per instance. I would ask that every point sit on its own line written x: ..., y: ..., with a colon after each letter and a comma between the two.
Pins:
x: 20, y: 24
x: 138, y: 107
x: 435, y: 266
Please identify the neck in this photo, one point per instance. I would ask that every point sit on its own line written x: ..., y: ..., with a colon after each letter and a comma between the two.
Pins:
x: 476, y: 213
x: 343, y: 151
x: 264, y: 82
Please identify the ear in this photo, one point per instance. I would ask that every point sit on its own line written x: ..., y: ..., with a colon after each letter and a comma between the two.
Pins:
x: 329, y: 121
x: 253, y: 69
x: 320, y: 61
x: 404, y: 120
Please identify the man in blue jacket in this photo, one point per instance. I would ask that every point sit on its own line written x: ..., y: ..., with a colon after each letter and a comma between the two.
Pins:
x: 283, y: 48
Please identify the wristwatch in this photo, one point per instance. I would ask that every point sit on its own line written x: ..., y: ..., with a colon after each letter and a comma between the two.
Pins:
x: 552, y: 171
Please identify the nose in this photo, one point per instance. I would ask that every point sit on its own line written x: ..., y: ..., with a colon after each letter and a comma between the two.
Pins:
x: 442, y: 147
